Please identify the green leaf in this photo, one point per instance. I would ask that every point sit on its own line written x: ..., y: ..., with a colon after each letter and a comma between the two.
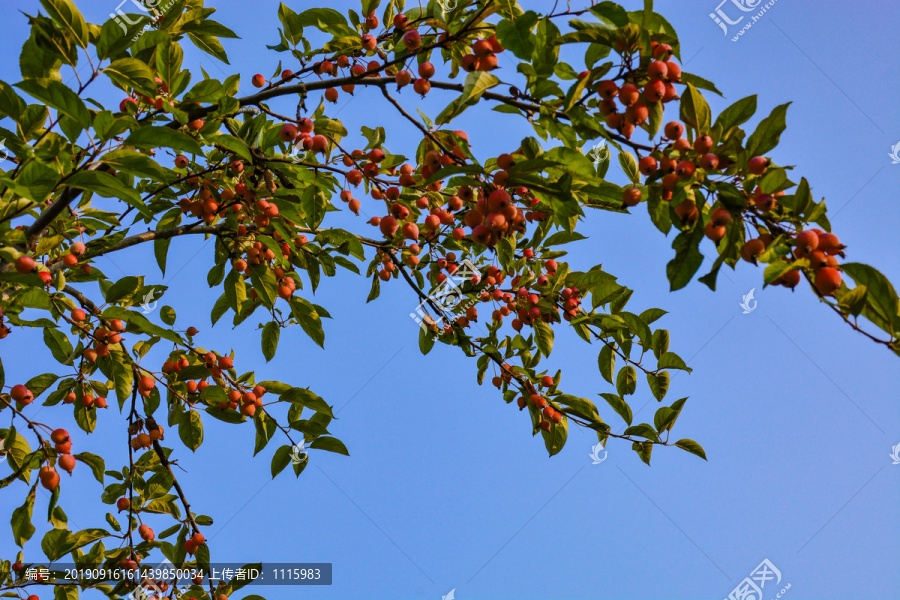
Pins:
x: 688, y: 258
x: 643, y: 430
x: 96, y: 463
x: 655, y: 119
x: 69, y: 19
x: 122, y: 376
x: 516, y: 36
x: 581, y: 407
x: 314, y: 205
x: 854, y: 301
x: 18, y: 453
x: 280, y: 460
x: 881, y: 297
x: 190, y: 429
x: 168, y: 61
x: 692, y: 447
x: 426, y: 340
x: 57, y: 543
x: 86, y: 536
x: 22, y: 529
x: 641, y: 329
x: 777, y: 269
x: 477, y: 82
x: 131, y: 73
x: 644, y: 450
x: 626, y: 380
x: 122, y: 289
x: 307, y: 398
x: 167, y: 315
x: 309, y: 320
x: 114, y: 523
x: 134, y: 163
x: 228, y: 416
x: 265, y: 429
x: 768, y: 132
x: 264, y: 283
x: 108, y: 186
x: 694, y: 110
x: 163, y: 137
x: 330, y: 444
x: 58, y: 96
x: 736, y: 114
x: 619, y: 405
x: 659, y: 384
x: 670, y: 360
x: 235, y: 145
x: 270, y: 335
x: 39, y: 383
x: 543, y: 334
x: 652, y: 314
x: 611, y: 13
x: 699, y: 82
x: 555, y: 439
x: 607, y: 362
x: 210, y: 45
x: 59, y: 345
x: 630, y: 166
x: 65, y: 592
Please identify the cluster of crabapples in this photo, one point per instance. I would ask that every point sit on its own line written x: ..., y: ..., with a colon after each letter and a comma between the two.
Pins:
x: 249, y: 251
x: 68, y: 258
x: 527, y: 304
x: 62, y: 443
x: 489, y: 212
x: 139, y: 103
x: 144, y: 439
x: 253, y: 213
x: 489, y: 216
x: 659, y: 86
x: 248, y: 400
x: 532, y: 400
x: 819, y: 248
x: 678, y: 160
x: 209, y: 202
x: 482, y: 56
x: 681, y: 160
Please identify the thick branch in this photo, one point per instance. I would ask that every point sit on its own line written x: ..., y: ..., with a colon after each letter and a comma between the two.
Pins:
x: 221, y: 229
x: 68, y: 195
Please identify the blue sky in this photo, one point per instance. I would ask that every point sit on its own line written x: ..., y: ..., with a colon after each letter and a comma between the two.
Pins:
x: 445, y: 487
